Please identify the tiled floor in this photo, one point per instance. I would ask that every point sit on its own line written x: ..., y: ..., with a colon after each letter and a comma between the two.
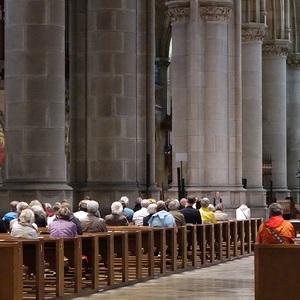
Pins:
x: 233, y: 280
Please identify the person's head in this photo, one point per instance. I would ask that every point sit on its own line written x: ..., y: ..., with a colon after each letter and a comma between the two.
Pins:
x: 191, y: 200
x: 92, y: 206
x: 82, y: 205
x: 117, y: 208
x: 66, y: 204
x: 47, y: 207
x: 87, y: 197
x: 125, y: 200
x: 183, y: 202
x: 161, y: 205
x: 167, y: 202
x: 151, y: 209
x: 13, y: 205
x: 220, y: 207
x: 210, y: 207
x: 22, y: 205
x: 56, y: 207
x: 38, y: 210
x: 198, y: 203
x: 205, y: 202
x: 64, y: 213
x: 145, y: 203
x: 275, y: 209
x: 217, y: 195
x: 138, y: 201
x: 35, y: 202
x: 174, y: 205
x: 151, y: 200
x: 26, y: 216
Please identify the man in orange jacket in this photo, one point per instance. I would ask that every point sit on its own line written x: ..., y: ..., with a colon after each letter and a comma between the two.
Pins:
x: 276, y: 230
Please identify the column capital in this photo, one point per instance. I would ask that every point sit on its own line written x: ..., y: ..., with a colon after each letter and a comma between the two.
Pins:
x: 276, y: 49
x: 162, y: 61
x: 178, y: 11
x: 254, y: 33
x: 293, y: 61
x: 215, y: 11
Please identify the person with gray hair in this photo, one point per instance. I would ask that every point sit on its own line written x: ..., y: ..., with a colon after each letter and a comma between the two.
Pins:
x: 127, y: 211
x: 175, y: 212
x: 116, y: 218
x: 21, y: 205
x: 82, y: 209
x: 151, y: 210
x: 207, y: 215
x: 25, y: 227
x: 91, y: 222
x: 139, y: 215
x: 276, y: 230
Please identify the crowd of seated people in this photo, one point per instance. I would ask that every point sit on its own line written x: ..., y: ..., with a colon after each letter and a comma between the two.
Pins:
x: 62, y: 221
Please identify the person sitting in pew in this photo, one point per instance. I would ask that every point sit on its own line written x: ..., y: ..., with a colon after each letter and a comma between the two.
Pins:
x: 91, y: 222
x: 62, y: 226
x: 220, y: 214
x: 25, y: 228
x: 139, y: 215
x: 12, y: 214
x: 116, y: 218
x: 21, y: 205
x: 151, y: 210
x: 276, y: 230
x: 207, y: 216
x: 162, y: 218
x: 175, y: 212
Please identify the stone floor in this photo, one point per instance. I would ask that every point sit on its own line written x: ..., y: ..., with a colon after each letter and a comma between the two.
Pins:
x: 233, y: 280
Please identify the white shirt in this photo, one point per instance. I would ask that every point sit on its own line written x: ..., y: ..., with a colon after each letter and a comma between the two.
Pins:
x: 139, y: 215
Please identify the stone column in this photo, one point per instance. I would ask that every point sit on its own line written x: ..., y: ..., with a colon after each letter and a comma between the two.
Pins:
x: 35, y: 100
x: 179, y: 13
x: 274, y: 113
x: 252, y: 35
x: 293, y: 123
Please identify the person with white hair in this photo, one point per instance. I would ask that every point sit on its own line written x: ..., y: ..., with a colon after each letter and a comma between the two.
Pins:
x: 25, y: 227
x: 82, y: 209
x: 116, y: 218
x: 21, y: 205
x: 175, y: 212
x: 91, y: 222
x: 151, y: 210
x: 127, y: 211
x: 139, y: 215
x: 207, y: 215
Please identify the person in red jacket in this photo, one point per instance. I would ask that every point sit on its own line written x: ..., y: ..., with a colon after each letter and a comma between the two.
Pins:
x: 276, y: 230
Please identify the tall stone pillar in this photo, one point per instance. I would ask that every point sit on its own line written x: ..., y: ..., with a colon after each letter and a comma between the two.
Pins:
x: 274, y: 114
x: 35, y: 165
x: 293, y: 124
x: 205, y: 62
x: 275, y: 49
x: 117, y: 98
x: 252, y: 37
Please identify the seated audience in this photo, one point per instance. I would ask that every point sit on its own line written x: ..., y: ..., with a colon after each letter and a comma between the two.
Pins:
x: 243, y: 212
x: 207, y: 216
x: 91, y: 222
x: 116, y: 218
x: 191, y: 215
x: 162, y: 218
x: 48, y: 209
x: 82, y: 209
x: 62, y: 226
x: 175, y: 212
x: 128, y: 212
x: 139, y: 215
x: 276, y: 230
x: 220, y: 214
x: 151, y: 210
x: 25, y: 228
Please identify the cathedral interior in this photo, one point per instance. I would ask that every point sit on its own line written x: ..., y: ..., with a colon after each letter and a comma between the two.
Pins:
x: 150, y: 99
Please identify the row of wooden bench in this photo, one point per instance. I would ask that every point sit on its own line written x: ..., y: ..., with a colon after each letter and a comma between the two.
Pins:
x: 49, y: 268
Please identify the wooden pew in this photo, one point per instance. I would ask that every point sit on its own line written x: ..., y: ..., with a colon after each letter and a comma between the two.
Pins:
x: 277, y: 271
x: 11, y: 270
